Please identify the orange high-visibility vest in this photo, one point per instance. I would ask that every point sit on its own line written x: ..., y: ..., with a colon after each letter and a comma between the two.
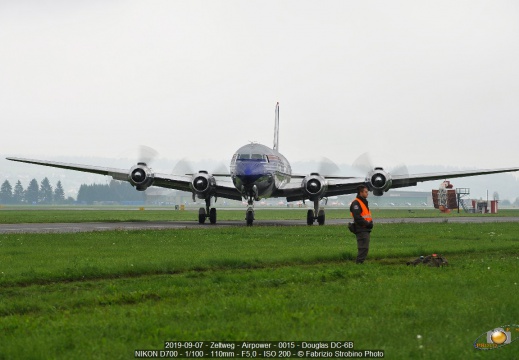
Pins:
x: 365, y: 213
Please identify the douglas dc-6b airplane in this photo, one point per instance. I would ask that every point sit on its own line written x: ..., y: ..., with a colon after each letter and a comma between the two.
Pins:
x: 257, y: 172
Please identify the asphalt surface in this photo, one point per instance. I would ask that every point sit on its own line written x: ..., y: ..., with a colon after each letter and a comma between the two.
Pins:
x: 158, y: 225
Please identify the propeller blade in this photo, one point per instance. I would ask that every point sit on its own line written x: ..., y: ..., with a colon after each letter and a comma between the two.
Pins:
x: 363, y: 163
x: 183, y: 167
x: 402, y: 172
x: 400, y: 169
x: 328, y: 168
x: 147, y: 154
x: 221, y: 169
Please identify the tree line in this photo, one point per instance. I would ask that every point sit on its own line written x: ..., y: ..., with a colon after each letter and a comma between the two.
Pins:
x: 43, y: 193
x: 34, y: 194
x: 116, y: 191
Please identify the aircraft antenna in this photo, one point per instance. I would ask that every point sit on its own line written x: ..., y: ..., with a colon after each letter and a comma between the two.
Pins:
x: 276, y: 128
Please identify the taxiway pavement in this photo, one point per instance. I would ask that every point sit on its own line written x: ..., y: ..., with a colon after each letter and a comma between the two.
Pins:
x: 160, y: 225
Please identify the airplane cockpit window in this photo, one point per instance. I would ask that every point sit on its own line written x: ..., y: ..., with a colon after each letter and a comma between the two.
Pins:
x: 257, y: 157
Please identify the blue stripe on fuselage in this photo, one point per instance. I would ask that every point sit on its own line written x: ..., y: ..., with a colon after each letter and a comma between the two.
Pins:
x: 250, y: 170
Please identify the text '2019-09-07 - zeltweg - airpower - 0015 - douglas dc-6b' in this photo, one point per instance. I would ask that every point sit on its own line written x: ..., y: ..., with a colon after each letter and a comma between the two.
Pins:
x: 257, y: 172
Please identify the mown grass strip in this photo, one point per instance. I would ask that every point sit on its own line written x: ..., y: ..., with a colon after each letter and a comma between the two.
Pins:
x: 11, y: 215
x: 376, y: 306
x: 103, y: 295
x: 43, y: 258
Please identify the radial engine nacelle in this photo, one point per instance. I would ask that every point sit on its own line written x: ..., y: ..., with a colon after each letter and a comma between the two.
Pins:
x: 314, y: 186
x: 379, y: 181
x: 141, y: 176
x: 203, y: 184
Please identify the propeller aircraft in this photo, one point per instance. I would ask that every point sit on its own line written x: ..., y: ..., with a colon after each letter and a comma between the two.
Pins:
x: 257, y: 172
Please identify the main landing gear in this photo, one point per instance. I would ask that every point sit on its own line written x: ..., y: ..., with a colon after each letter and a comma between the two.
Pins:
x: 207, y: 212
x: 311, y: 217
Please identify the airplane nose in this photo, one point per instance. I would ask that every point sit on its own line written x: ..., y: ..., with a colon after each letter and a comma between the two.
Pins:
x: 249, y: 172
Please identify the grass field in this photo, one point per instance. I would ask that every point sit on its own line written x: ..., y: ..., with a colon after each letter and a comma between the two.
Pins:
x: 106, y: 294
x: 50, y: 214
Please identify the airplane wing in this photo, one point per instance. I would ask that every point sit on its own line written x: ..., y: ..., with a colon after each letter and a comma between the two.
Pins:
x: 295, y: 190
x: 412, y: 180
x: 221, y: 187
x: 378, y: 181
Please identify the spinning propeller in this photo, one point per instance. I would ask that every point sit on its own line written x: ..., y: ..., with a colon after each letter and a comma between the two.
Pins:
x: 377, y: 179
x: 147, y: 154
x: 328, y: 168
x: 185, y: 167
x: 365, y: 165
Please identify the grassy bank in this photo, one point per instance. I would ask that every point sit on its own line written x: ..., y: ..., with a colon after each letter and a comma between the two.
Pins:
x: 104, y: 295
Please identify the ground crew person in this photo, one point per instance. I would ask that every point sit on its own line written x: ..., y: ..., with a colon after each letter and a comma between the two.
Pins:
x: 359, y: 210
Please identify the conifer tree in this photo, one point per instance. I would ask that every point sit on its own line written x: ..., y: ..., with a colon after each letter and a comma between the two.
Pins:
x: 45, y: 194
x: 18, y: 193
x: 6, y: 193
x: 59, y: 194
x: 31, y: 194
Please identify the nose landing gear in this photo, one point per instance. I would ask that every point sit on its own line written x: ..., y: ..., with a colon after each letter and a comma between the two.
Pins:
x: 251, y: 195
x: 249, y: 215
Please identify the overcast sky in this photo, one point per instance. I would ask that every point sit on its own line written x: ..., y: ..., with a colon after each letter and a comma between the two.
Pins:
x: 418, y: 82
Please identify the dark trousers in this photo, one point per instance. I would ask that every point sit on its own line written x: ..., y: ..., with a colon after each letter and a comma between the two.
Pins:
x: 362, y: 246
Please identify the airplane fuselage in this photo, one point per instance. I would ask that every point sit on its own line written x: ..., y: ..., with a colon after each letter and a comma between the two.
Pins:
x: 257, y: 171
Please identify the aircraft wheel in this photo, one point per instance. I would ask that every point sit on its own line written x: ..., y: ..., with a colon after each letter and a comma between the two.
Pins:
x: 212, y: 216
x: 320, y: 217
x: 310, y: 217
x: 201, y: 215
x: 249, y: 217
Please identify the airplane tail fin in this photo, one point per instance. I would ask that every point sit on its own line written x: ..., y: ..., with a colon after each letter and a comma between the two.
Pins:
x: 276, y: 128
